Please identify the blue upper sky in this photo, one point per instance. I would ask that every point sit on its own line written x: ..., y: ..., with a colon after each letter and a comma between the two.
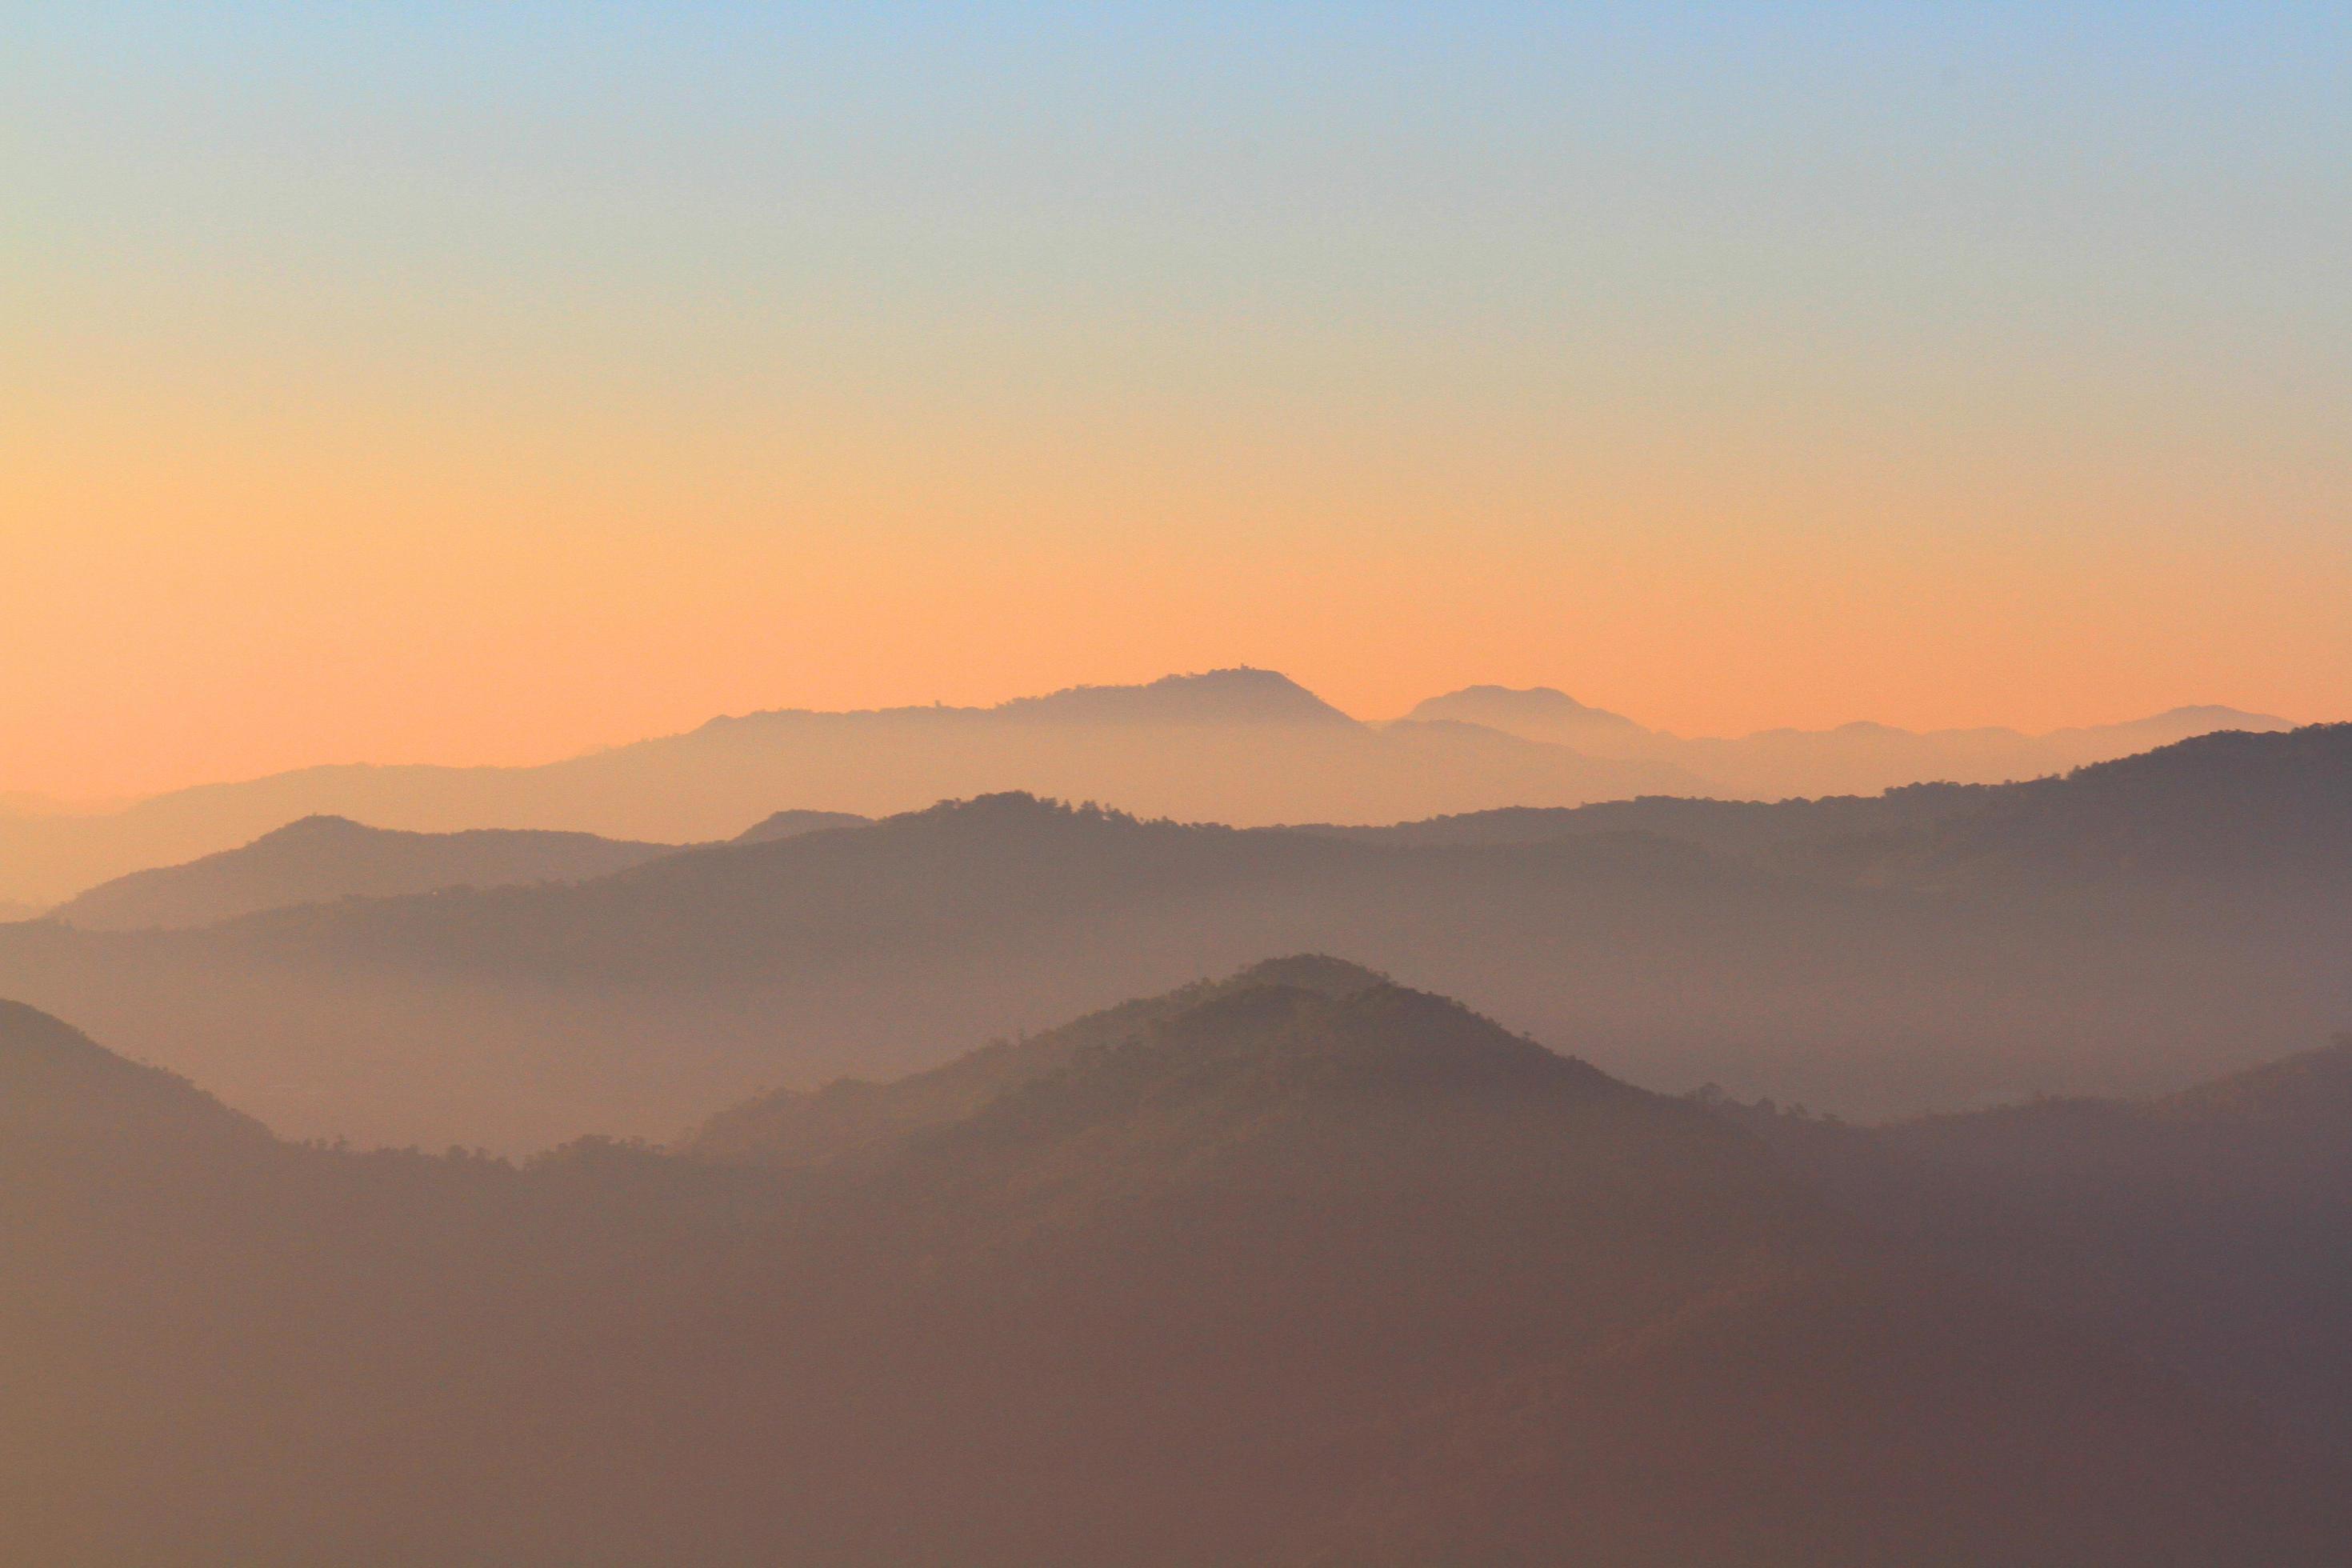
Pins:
x: 1975, y: 318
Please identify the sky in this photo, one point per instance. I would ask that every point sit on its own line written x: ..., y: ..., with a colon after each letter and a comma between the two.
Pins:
x: 486, y: 382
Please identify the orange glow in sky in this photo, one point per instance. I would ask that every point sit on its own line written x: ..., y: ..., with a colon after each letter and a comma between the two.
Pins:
x: 390, y: 390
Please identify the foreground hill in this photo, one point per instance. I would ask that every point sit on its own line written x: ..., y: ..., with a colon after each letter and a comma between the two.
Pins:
x: 2210, y: 1226
x: 322, y: 859
x: 1280, y: 1274
x: 1241, y: 746
x: 1894, y: 969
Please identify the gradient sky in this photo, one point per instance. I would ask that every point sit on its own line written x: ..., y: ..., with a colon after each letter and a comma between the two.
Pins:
x: 486, y: 381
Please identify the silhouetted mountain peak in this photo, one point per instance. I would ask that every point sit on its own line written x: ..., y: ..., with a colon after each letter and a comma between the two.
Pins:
x: 1011, y: 805
x: 1253, y: 1059
x: 1500, y: 706
x: 1327, y: 976
x: 1279, y: 1030
x: 854, y: 1118
x: 793, y: 823
x: 320, y: 825
x: 1393, y: 1039
x: 1012, y: 815
x: 2218, y: 713
x: 1239, y: 695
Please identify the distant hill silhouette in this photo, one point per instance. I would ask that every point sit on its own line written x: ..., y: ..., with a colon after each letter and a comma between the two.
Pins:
x: 2232, y: 807
x: 793, y: 823
x: 2228, y: 806
x: 1241, y: 746
x: 1221, y: 697
x: 322, y: 859
x: 1852, y: 759
x: 1762, y: 831
x: 1539, y: 713
x: 1873, y: 957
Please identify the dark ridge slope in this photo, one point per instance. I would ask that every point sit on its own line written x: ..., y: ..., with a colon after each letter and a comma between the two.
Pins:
x: 59, y: 1087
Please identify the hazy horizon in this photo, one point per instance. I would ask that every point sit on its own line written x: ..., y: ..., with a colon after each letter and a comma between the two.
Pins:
x: 25, y: 796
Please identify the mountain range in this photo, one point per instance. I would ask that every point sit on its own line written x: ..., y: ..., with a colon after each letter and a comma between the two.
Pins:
x: 1300, y: 1268
x: 1931, y: 949
x: 1244, y: 747
x: 1852, y: 759
x: 321, y: 858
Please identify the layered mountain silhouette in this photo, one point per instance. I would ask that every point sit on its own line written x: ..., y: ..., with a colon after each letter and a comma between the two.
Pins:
x: 1539, y: 713
x: 322, y: 859
x: 2233, y: 807
x: 1221, y: 697
x: 793, y: 823
x: 1246, y: 747
x: 1300, y: 1267
x: 1239, y: 745
x: 857, y: 1119
x: 1852, y: 759
x: 1780, y: 831
x: 1870, y: 957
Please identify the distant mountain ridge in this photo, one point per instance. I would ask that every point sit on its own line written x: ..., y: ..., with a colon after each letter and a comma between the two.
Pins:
x: 1242, y: 695
x: 1538, y: 712
x: 1858, y: 758
x: 1243, y: 746
x: 1246, y: 747
x: 320, y: 859
x: 1239, y: 695
x: 1876, y: 955
x: 2233, y: 805
x: 793, y: 823
x: 2230, y: 805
